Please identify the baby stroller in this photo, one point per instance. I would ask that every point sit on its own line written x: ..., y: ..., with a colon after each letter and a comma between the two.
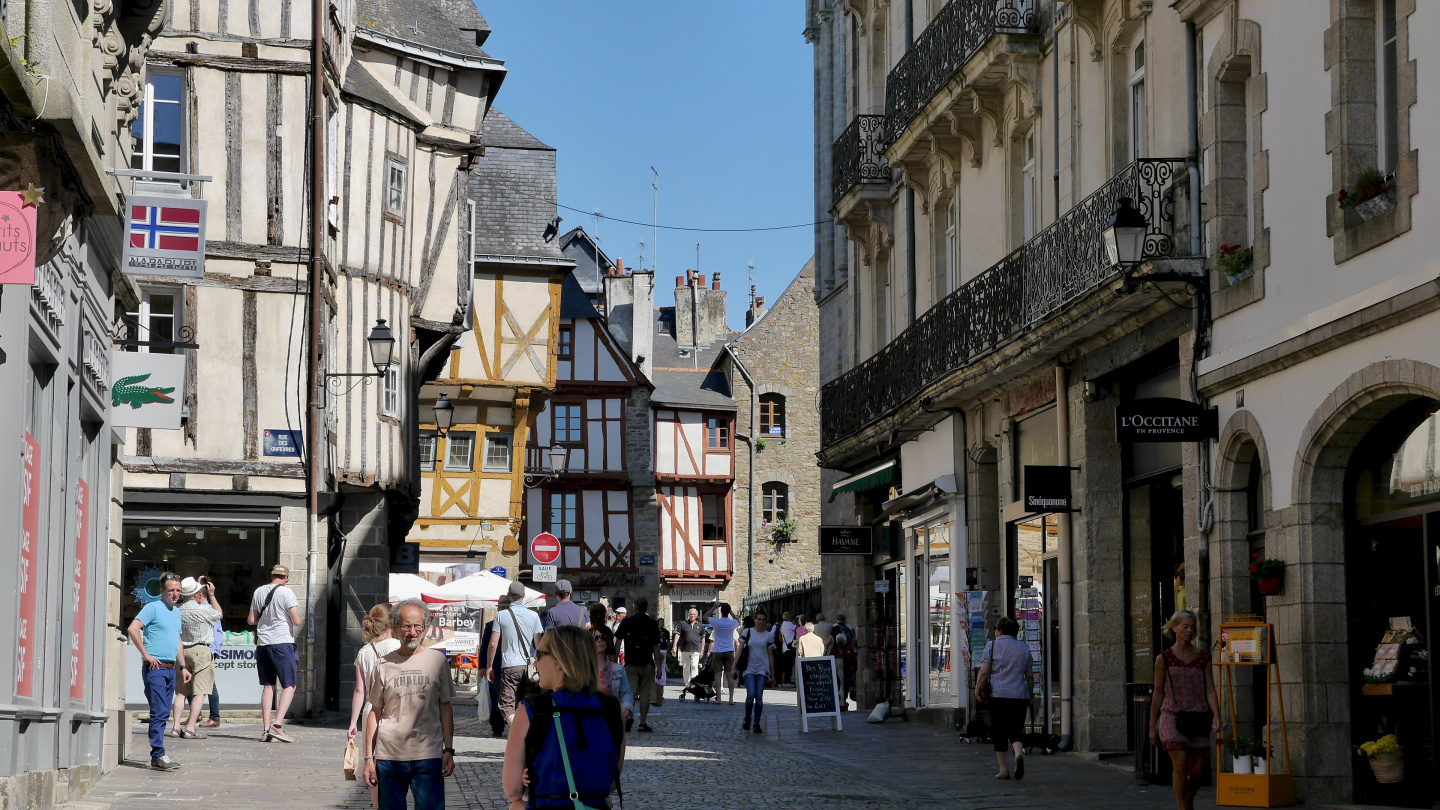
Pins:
x: 702, y: 686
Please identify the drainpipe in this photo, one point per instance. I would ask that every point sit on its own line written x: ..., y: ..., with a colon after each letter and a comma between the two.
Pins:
x: 1204, y: 506
x: 1067, y: 615
x: 316, y: 471
x: 750, y: 478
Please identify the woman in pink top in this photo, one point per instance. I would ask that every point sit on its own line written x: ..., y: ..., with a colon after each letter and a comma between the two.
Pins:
x: 1184, y: 695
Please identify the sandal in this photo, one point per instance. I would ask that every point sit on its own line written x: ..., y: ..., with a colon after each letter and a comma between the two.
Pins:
x: 187, y: 734
x: 174, y: 732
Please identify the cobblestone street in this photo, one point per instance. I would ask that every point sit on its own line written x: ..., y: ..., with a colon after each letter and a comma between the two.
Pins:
x: 697, y: 758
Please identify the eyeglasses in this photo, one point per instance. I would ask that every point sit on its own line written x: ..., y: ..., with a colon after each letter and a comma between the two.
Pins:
x: 540, y: 654
x: 412, y: 627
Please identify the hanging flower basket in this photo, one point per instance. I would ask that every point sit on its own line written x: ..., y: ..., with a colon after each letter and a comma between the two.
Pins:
x: 1269, y: 574
x: 1270, y: 586
x: 1389, y: 768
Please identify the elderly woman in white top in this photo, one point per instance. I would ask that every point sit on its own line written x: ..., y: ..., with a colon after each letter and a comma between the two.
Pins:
x: 378, y: 644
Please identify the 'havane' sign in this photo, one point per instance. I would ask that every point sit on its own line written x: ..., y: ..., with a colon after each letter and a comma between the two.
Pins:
x: 1165, y: 420
x: 847, y: 540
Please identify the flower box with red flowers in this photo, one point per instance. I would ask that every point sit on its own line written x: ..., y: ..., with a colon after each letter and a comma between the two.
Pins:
x: 1268, y: 573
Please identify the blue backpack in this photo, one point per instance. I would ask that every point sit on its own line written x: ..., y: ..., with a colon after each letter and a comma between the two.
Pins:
x: 594, y: 736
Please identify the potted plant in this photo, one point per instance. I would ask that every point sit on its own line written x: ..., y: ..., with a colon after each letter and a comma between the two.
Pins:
x: 1372, y: 196
x: 782, y: 530
x: 1387, y: 759
x: 1268, y: 574
x: 1260, y: 757
x: 759, y: 445
x: 1235, y: 262
x: 1239, y: 748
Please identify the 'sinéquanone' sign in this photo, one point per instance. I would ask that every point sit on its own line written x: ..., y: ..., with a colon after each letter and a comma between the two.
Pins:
x: 847, y: 540
x: 1047, y: 489
x: 1163, y: 419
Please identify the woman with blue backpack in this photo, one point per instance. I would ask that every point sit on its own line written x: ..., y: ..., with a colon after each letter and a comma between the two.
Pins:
x: 567, y: 746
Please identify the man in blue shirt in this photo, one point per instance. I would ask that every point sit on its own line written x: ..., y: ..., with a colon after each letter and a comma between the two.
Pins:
x: 155, y: 632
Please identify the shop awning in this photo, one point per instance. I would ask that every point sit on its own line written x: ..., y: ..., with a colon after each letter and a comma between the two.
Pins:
x: 881, y: 475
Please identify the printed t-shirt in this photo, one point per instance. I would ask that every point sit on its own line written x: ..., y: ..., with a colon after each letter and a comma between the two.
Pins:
x: 408, y: 691
x: 161, y: 624
x: 724, y: 640
x: 274, y: 624
x: 760, y: 641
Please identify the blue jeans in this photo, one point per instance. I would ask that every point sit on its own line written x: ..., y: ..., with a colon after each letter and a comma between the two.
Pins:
x: 160, y: 693
x: 421, y: 777
x: 755, y: 694
x: 215, y: 703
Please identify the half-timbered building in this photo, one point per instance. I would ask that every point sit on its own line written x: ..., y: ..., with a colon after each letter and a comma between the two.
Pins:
x: 499, y: 376
x: 405, y: 95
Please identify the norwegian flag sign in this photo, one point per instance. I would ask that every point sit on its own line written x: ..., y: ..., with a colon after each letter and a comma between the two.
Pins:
x: 165, y: 236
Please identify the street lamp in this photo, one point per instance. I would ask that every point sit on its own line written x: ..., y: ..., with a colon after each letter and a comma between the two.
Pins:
x: 556, y: 465
x: 1125, y: 235
x: 382, y: 355
x: 444, y: 415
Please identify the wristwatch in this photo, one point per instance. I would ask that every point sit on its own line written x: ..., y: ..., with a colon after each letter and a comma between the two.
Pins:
x: 450, y: 751
x: 372, y: 756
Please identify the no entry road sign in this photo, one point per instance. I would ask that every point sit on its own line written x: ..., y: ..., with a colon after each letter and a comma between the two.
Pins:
x: 545, y: 548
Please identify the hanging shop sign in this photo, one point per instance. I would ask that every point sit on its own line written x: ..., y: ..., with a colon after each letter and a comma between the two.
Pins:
x: 17, y: 236
x: 847, y: 540
x: 144, y: 392
x: 165, y: 236
x: 283, y: 443
x: 405, y: 558
x: 1047, y: 489
x: 1166, y: 420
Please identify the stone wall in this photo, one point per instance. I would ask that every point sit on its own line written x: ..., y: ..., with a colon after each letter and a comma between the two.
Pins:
x: 781, y: 352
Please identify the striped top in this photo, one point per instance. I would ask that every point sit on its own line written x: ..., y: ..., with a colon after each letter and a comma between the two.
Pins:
x: 1009, y: 660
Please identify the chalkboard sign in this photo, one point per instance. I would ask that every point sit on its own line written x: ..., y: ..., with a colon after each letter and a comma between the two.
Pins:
x: 819, y: 690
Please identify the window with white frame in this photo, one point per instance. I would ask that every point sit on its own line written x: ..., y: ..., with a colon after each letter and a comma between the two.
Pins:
x: 952, y: 244
x: 567, y: 424
x: 428, y: 444
x: 1387, y: 106
x: 158, y: 318
x: 497, y: 452
x: 395, y: 188
x: 459, y: 451
x: 158, y: 134
x: 390, y: 392
x: 1139, y: 146
x: 713, y: 508
x: 1030, y: 188
x: 564, y: 516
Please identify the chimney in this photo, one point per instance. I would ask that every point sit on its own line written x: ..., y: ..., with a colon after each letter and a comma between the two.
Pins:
x: 699, y: 279
x: 679, y: 282
x: 715, y: 285
x: 630, y: 312
x: 699, y: 311
x: 757, y: 311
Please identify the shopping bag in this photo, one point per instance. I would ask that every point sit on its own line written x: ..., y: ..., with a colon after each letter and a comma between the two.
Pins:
x: 352, y: 761
x: 482, y: 697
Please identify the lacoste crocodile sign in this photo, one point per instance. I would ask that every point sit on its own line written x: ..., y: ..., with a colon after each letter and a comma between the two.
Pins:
x: 148, y: 390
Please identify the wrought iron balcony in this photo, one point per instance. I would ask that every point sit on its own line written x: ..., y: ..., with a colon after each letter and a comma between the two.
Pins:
x: 858, y: 156
x: 960, y: 29
x: 1035, y: 282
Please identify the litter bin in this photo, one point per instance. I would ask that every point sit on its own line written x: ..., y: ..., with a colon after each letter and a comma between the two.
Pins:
x: 1152, y: 765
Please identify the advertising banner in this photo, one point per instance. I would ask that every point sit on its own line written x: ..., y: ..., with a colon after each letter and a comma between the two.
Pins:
x: 144, y: 392
x: 26, y: 639
x: 17, y: 238
x: 77, y: 590
x: 165, y: 236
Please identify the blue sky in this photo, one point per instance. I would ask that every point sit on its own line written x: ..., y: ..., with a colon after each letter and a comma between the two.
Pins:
x: 717, y: 96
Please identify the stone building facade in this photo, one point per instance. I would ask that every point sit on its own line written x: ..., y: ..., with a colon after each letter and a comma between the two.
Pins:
x: 779, y: 352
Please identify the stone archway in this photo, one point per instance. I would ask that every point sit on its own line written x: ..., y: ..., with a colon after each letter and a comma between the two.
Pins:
x: 1310, y: 616
x: 1242, y: 446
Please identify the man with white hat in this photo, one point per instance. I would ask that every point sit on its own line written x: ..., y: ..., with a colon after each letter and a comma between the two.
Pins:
x: 565, y: 611
x: 197, y: 633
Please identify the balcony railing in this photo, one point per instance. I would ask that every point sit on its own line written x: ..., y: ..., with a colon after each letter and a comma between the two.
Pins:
x: 1039, y: 279
x: 858, y: 156
x: 960, y: 29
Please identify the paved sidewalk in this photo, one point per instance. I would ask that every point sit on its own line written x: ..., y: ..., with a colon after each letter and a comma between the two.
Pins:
x: 697, y: 758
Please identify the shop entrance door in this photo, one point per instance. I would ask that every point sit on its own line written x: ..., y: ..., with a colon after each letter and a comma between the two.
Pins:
x: 1032, y: 566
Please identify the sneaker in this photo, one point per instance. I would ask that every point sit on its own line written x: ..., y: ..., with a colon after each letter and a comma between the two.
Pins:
x: 745, y: 726
x: 1002, y: 775
x: 164, y: 763
x: 758, y: 729
x: 278, y: 732
x: 1020, y: 767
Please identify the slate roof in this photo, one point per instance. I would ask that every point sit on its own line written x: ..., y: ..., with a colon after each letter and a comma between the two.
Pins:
x: 574, y: 303
x: 513, y: 186
x: 359, y: 82
x: 590, y: 261
x: 450, y: 26
x: 694, y: 381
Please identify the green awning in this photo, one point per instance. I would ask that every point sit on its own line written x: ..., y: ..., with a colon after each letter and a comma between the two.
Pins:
x: 881, y: 475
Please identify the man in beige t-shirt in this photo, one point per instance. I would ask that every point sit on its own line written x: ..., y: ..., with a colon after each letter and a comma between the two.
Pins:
x: 411, y: 726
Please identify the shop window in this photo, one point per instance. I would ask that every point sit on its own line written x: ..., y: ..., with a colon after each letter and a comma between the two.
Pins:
x: 459, y: 451
x: 564, y: 516
x: 395, y: 188
x: 236, y: 557
x: 717, y: 434
x: 567, y: 424
x: 390, y: 392
x: 772, y: 415
x: 428, y: 443
x: 497, y: 452
x: 157, y: 317
x: 713, y: 526
x: 775, y: 501
x: 158, y: 134
x: 565, y: 343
